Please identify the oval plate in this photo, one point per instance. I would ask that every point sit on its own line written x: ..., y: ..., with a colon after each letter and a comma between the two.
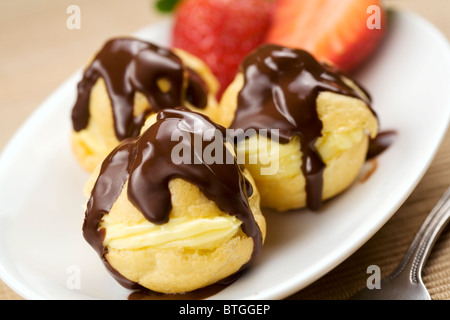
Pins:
x: 44, y: 256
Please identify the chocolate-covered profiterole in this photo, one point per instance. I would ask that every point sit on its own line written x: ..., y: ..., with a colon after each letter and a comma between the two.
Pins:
x: 128, y: 66
x: 145, y: 164
x: 127, y: 81
x: 280, y: 92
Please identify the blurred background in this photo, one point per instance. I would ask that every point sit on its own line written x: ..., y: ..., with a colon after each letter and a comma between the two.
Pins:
x: 38, y: 52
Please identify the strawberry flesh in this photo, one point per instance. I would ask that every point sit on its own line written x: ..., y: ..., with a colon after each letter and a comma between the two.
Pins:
x: 221, y: 32
x: 332, y: 30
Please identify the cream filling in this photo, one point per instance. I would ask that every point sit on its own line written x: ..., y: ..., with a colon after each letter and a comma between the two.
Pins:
x: 261, y: 153
x: 202, y: 233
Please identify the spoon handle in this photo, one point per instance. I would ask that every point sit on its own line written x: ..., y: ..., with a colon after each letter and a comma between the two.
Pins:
x: 423, y: 242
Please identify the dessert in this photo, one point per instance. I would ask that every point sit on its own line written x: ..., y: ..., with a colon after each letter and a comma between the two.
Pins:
x: 159, y: 215
x: 320, y: 123
x: 128, y: 80
x: 173, y: 226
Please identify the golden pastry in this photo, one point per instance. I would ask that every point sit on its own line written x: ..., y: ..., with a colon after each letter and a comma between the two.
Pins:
x: 319, y: 122
x: 173, y: 226
x: 126, y: 81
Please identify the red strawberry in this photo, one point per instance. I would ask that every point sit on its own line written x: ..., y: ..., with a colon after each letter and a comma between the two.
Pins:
x: 333, y: 30
x: 221, y: 32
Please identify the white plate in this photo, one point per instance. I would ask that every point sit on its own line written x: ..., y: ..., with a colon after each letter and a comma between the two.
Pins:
x: 41, y: 246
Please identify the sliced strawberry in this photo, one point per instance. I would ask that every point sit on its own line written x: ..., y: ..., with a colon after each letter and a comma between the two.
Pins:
x: 221, y: 32
x: 333, y: 30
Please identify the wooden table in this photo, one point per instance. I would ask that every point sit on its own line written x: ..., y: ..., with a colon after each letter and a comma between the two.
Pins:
x: 38, y: 52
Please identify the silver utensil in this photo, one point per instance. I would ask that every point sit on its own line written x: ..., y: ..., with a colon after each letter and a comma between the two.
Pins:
x: 405, y: 282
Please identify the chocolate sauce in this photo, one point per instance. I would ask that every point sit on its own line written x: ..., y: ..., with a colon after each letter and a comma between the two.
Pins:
x: 199, y: 294
x: 196, y: 92
x: 380, y: 143
x: 128, y: 66
x: 146, y: 162
x: 280, y: 91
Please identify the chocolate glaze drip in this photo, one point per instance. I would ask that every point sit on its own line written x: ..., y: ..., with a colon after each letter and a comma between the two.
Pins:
x: 128, y: 66
x: 280, y: 91
x: 146, y: 163
x: 380, y: 143
x: 196, y: 92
